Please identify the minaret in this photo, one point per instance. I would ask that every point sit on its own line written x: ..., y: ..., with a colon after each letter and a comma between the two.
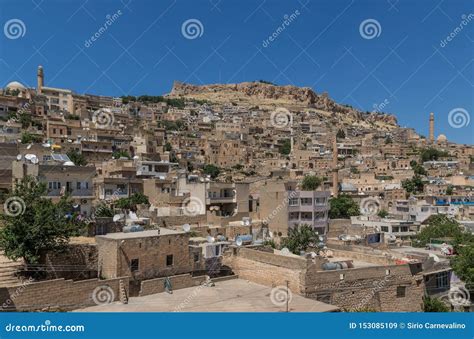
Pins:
x: 431, y: 128
x: 40, y: 77
x: 335, y: 174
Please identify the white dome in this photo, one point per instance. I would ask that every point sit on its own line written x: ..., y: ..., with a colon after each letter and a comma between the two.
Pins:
x: 442, y: 138
x: 15, y: 85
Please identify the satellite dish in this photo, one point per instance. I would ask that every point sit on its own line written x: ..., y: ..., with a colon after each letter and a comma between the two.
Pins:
x: 285, y: 251
x: 29, y: 146
x: 18, y: 157
x: 186, y: 227
x: 34, y: 160
x: 68, y: 163
x: 46, y: 145
x: 117, y: 217
x: 210, y: 239
x: 136, y: 157
x: 238, y: 241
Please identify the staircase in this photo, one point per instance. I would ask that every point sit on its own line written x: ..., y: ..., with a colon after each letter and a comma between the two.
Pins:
x: 123, y: 293
x: 8, y: 271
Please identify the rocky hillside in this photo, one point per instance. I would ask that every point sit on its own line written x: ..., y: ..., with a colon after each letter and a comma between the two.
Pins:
x: 269, y: 96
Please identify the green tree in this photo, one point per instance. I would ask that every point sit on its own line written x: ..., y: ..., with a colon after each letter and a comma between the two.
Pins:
x: 27, y: 138
x: 103, y: 210
x: 311, y: 182
x: 168, y: 147
x: 285, y: 148
x: 212, y: 170
x: 341, y: 134
x: 414, y: 185
x: 35, y: 224
x: 417, y: 168
x: 300, y: 238
x: 120, y: 154
x: 434, y: 305
x: 131, y: 202
x: 449, y: 190
x: 382, y: 213
x: 430, y: 154
x: 77, y: 158
x: 343, y: 207
x: 439, y: 226
x: 463, y: 264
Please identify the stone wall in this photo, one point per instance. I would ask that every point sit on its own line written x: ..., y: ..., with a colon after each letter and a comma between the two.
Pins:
x: 153, y: 286
x: 385, y: 287
x: 77, y: 262
x: 60, y: 294
x: 267, y: 268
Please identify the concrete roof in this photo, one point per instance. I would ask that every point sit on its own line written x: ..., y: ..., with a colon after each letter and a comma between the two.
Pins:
x: 236, y: 295
x: 142, y: 234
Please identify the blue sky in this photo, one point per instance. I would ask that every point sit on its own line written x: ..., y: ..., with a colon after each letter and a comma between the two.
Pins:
x: 404, y: 67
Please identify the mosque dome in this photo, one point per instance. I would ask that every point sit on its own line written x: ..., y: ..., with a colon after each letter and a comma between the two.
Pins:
x: 442, y: 138
x: 15, y: 85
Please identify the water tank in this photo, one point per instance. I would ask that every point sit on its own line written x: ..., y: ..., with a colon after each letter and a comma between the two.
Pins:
x: 132, y: 228
x: 247, y: 238
x: 329, y: 266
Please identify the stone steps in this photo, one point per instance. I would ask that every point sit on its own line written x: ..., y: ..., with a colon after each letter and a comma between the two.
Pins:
x: 9, y: 270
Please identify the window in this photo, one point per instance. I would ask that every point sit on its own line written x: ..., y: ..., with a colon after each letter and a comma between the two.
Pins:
x: 169, y: 260
x: 401, y: 291
x: 320, y: 201
x: 196, y: 257
x: 306, y: 201
x: 293, y: 202
x: 78, y: 185
x: 384, y: 228
x: 442, y: 280
x: 134, y: 265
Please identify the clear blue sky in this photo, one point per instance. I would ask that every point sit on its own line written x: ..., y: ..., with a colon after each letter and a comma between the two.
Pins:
x: 143, y: 51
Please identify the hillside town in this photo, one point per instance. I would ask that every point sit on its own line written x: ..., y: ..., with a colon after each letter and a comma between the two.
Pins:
x: 248, y: 197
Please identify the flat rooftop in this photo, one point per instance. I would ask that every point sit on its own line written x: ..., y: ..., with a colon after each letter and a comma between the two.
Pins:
x: 235, y: 295
x: 356, y: 263
x: 142, y: 234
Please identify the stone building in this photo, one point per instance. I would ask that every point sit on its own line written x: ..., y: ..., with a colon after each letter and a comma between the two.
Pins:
x: 144, y: 255
x: 373, y: 282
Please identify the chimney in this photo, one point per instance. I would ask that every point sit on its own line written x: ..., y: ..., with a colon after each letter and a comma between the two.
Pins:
x: 40, y: 78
